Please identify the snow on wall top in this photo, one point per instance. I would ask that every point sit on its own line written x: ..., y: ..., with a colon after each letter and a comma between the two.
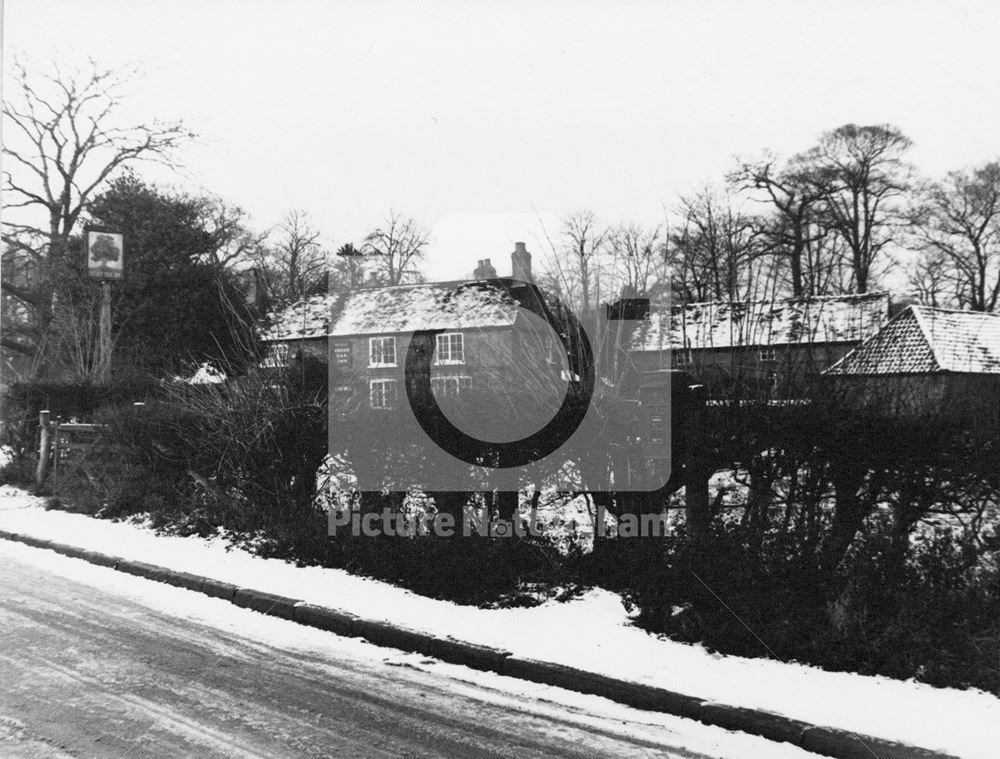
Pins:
x: 402, y: 308
x: 926, y: 340
x: 723, y: 324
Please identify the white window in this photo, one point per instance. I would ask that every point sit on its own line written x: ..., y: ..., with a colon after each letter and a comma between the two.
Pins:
x: 681, y: 359
x: 383, y: 393
x: 277, y: 356
x: 449, y: 387
x: 450, y: 348
x: 768, y: 355
x: 382, y: 351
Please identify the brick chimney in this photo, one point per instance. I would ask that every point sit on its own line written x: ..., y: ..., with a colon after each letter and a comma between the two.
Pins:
x: 520, y: 263
x: 484, y: 270
x: 898, y: 304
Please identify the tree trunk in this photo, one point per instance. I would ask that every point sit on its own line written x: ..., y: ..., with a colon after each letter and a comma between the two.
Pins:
x: 697, y: 505
x: 796, y: 264
x: 848, y: 516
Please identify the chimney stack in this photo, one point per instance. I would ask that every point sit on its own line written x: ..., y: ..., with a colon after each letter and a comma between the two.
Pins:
x: 900, y: 304
x: 484, y: 270
x: 520, y: 263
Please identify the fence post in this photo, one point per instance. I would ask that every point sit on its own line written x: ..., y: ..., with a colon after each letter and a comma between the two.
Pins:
x: 44, y: 445
x: 55, y: 455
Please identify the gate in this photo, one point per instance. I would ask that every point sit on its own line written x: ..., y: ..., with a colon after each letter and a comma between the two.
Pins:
x: 65, y: 450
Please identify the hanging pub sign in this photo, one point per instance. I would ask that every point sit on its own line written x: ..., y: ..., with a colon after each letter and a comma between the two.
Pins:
x: 105, y: 253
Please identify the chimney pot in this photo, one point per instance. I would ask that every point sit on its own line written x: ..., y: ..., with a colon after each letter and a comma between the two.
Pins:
x: 520, y: 261
x: 484, y: 270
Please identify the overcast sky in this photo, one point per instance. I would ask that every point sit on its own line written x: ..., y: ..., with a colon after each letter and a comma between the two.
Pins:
x: 478, y: 117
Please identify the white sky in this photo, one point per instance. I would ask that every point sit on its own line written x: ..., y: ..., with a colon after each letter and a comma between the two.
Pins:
x: 451, y: 110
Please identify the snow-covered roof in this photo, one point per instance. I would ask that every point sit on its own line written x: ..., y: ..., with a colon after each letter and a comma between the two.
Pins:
x: 436, y: 305
x: 308, y: 318
x: 927, y: 340
x: 723, y: 324
x: 402, y: 308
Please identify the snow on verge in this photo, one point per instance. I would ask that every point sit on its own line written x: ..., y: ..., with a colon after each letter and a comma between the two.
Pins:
x: 592, y: 633
x: 540, y: 701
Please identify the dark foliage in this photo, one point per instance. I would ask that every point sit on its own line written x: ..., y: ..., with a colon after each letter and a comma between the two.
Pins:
x: 175, y: 307
x: 471, y: 570
x: 934, y: 618
x: 858, y: 543
x: 67, y: 400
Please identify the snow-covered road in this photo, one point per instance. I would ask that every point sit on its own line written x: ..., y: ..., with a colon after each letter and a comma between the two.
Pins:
x: 95, y: 663
x: 592, y: 633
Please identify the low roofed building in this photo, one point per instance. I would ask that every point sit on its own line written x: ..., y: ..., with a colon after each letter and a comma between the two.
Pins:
x: 770, y: 345
x: 927, y: 361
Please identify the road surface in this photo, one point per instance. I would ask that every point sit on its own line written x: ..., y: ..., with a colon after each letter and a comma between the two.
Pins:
x: 87, y: 671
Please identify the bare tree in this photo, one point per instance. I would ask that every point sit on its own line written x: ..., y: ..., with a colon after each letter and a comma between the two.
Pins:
x: 957, y: 223
x: 61, y: 142
x: 826, y: 266
x: 714, y: 249
x: 638, y: 257
x: 931, y: 280
x: 793, y: 228
x: 398, y: 246
x: 864, y: 182
x: 236, y: 244
x: 584, y: 241
x: 296, y: 266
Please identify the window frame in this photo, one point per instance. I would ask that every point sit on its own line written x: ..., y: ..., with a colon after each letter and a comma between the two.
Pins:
x: 382, y: 340
x: 438, y: 360
x: 768, y: 355
x: 278, y: 355
x: 384, y: 382
x: 462, y: 382
x: 681, y: 359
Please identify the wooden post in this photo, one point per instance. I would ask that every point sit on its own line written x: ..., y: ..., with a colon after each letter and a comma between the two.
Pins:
x: 44, y: 445
x: 104, y: 344
x: 55, y: 454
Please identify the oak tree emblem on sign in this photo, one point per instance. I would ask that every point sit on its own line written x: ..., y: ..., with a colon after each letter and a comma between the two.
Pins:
x: 104, y: 249
x: 104, y: 254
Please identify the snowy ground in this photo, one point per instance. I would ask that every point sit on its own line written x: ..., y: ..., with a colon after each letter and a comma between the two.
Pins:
x: 591, y: 713
x: 592, y: 632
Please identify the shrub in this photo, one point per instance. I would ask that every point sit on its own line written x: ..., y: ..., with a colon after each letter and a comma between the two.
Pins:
x: 254, y: 448
x: 138, y: 464
x: 934, y: 617
x: 24, y: 400
x: 470, y: 570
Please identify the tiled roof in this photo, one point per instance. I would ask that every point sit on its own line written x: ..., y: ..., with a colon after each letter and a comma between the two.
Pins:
x: 403, y: 308
x: 721, y: 324
x: 926, y: 340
